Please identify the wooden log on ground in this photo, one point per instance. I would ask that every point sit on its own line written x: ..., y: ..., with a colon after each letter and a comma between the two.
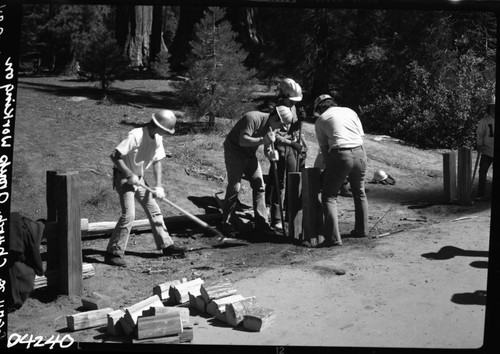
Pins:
x: 128, y: 329
x: 217, y: 290
x: 258, y: 319
x: 114, y: 327
x: 97, y: 301
x: 88, y: 319
x: 181, y: 311
x: 172, y: 223
x: 236, y: 311
x: 134, y: 311
x: 163, y: 290
x: 181, y: 291
x: 213, y: 305
x: 186, y: 336
x: 161, y: 325
x: 52, y: 276
x: 450, y: 176
x: 201, y: 304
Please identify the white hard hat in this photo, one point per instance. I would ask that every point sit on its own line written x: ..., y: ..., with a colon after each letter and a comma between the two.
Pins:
x: 285, y: 114
x: 291, y: 89
x: 318, y: 100
x: 165, y: 119
x: 379, y: 176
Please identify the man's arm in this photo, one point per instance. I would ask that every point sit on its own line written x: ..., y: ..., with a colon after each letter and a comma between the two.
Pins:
x: 117, y: 159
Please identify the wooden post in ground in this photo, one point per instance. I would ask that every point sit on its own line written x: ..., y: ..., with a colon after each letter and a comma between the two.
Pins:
x: 464, y: 173
x: 294, y: 205
x: 64, y: 249
x: 312, y: 214
x: 450, y: 176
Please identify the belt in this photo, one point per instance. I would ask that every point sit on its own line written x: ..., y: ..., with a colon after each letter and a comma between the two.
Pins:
x: 346, y: 148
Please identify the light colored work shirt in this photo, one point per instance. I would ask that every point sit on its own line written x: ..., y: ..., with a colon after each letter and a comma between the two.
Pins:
x: 139, y: 150
x: 485, y: 134
x: 339, y: 127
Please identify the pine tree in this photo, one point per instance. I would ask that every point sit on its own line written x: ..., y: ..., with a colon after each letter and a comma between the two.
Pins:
x: 219, y: 82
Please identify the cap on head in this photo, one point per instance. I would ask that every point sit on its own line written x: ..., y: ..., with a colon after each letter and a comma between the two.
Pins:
x: 318, y: 100
x: 291, y: 89
x: 165, y: 119
x: 285, y: 114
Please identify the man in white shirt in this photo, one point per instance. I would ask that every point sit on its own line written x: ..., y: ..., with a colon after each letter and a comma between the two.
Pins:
x: 141, y: 149
x: 340, y: 137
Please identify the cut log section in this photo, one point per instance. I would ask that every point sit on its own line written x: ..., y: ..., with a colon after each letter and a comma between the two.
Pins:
x: 217, y: 291
x: 160, y: 325
x: 186, y: 336
x: 236, y: 311
x: 97, y: 301
x: 52, y: 276
x: 181, y: 311
x: 114, y: 328
x: 88, y: 319
x: 163, y: 290
x: 181, y: 291
x: 134, y: 311
x: 213, y: 305
x: 258, y: 319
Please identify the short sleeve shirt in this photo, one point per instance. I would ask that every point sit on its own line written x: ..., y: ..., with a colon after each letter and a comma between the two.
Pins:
x: 139, y: 150
x: 485, y: 134
x: 339, y: 127
x: 253, y: 124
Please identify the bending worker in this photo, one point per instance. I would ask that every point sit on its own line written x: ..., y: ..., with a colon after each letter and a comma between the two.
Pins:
x: 240, y: 155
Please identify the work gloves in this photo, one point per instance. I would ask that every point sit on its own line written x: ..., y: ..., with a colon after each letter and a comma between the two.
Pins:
x: 158, y: 192
x: 133, y: 179
x: 269, y: 137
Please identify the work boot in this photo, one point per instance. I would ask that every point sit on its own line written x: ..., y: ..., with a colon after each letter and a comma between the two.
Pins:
x: 174, y: 251
x: 115, y: 260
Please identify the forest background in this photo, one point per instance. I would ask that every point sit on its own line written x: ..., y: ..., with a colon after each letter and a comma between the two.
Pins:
x: 409, y: 74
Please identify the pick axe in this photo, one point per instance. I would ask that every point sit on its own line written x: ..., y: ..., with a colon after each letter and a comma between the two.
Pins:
x: 210, y: 231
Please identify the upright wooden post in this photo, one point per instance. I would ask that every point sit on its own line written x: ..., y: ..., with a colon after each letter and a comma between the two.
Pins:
x: 464, y: 176
x: 52, y: 242
x: 294, y: 205
x: 450, y: 176
x: 312, y: 215
x: 64, y: 208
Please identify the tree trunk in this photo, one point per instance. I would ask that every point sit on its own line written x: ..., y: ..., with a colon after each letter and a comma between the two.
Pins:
x: 188, y: 17
x: 134, y: 28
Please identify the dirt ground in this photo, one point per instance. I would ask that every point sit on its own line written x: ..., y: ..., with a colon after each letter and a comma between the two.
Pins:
x: 423, y: 287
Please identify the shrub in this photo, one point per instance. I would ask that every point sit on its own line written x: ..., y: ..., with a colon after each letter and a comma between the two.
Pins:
x: 161, y: 65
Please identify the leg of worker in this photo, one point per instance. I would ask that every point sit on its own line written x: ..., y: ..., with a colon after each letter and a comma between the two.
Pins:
x: 234, y: 167
x: 155, y: 217
x: 280, y: 166
x: 254, y: 175
x: 119, y: 238
x: 337, y: 167
x: 357, y: 181
x: 484, y: 165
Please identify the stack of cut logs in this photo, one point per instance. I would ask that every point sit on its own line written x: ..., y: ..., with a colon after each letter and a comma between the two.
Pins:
x: 164, y: 317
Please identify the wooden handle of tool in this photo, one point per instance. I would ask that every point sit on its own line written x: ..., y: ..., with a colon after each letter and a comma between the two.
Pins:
x: 185, y: 212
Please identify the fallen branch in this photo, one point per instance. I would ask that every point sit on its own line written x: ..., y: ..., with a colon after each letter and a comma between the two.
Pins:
x: 464, y: 218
